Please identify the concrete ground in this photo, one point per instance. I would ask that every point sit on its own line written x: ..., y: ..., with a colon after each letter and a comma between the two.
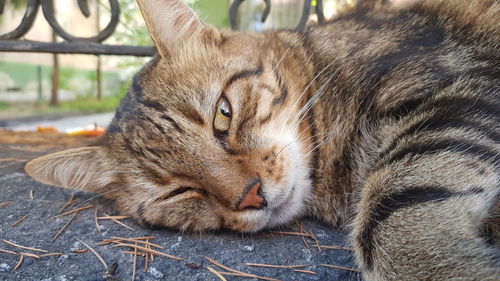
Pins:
x: 21, y: 196
x: 62, y: 124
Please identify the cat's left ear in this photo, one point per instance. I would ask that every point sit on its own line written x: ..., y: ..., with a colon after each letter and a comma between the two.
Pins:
x: 85, y: 168
x: 172, y: 24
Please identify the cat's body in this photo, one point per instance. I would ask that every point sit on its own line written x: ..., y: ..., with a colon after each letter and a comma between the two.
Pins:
x: 386, y: 122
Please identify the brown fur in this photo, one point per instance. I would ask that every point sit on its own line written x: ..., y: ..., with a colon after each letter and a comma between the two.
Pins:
x: 384, y: 121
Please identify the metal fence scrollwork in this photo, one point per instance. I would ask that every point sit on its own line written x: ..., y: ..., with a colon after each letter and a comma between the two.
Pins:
x: 11, y: 41
x: 74, y: 44
x: 306, y: 11
x: 48, y: 12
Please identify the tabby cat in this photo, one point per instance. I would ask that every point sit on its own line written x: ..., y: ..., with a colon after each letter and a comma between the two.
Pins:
x: 385, y: 122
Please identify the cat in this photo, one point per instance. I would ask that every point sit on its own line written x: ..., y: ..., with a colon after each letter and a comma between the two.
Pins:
x: 385, y: 122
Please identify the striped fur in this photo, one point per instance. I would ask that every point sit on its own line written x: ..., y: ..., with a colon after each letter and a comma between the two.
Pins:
x: 383, y: 121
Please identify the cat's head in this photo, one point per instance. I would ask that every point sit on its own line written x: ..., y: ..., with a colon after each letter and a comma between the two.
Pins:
x: 212, y: 134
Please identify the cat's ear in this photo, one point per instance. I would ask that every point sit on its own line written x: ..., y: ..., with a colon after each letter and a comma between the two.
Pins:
x: 172, y: 24
x: 85, y: 168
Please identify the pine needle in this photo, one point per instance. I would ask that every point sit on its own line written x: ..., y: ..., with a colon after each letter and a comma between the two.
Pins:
x: 132, y: 252
x: 146, y: 262
x: 94, y: 252
x: 116, y: 239
x: 51, y: 254
x: 248, y: 275
x: 315, y: 239
x: 29, y: 255
x: 8, y: 252
x: 136, y: 238
x: 97, y: 226
x: 80, y: 251
x: 301, y: 228
x: 216, y: 273
x: 64, y: 227
x: 70, y: 200
x: 275, y: 266
x: 147, y: 250
x: 72, y: 211
x: 222, y: 266
x: 305, y: 271
x: 19, y: 263
x: 5, y: 203
x: 119, y: 222
x: 340, y: 267
x: 106, y: 217
x: 23, y: 247
x: 135, y: 262
x: 19, y: 221
x: 336, y: 247
x: 291, y: 233
x: 235, y: 272
x: 151, y: 255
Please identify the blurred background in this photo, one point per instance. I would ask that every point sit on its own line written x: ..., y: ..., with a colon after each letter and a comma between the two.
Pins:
x: 64, y: 92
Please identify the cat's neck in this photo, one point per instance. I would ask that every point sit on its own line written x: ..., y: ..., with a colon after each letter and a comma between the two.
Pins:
x: 339, y: 125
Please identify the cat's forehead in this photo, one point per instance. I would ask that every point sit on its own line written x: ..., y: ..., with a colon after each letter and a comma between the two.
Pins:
x: 198, y: 76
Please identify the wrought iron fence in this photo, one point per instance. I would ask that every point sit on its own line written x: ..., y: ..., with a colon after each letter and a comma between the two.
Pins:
x: 12, y: 42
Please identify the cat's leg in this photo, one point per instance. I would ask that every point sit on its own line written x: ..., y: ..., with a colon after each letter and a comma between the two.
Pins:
x: 431, y: 216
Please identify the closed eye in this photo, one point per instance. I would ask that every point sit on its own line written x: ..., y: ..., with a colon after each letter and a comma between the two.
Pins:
x: 178, y: 191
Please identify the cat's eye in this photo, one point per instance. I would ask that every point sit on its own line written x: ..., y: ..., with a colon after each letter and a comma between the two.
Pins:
x: 222, y: 119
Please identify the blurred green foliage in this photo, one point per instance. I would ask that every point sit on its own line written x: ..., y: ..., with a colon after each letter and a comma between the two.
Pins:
x: 3, y: 105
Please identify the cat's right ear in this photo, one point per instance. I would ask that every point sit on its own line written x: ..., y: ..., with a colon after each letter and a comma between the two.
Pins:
x: 172, y: 25
x: 85, y: 168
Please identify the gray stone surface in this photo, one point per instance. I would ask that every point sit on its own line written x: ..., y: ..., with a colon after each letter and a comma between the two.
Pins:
x: 63, y: 124
x: 229, y: 248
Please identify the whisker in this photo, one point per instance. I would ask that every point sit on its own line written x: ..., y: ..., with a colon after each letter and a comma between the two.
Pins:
x: 282, y: 57
x: 96, y: 196
x: 290, y: 110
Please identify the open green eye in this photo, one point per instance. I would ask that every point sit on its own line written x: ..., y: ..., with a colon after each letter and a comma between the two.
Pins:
x: 223, y: 115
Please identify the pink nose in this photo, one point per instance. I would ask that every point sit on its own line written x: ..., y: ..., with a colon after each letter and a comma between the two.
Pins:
x: 252, y: 198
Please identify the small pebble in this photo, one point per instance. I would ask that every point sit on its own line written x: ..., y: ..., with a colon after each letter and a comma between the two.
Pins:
x: 62, y: 258
x: 4, y: 267
x: 248, y: 248
x: 76, y: 246
x: 155, y: 273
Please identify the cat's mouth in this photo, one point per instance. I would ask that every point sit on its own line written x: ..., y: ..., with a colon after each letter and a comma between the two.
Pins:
x: 277, y: 212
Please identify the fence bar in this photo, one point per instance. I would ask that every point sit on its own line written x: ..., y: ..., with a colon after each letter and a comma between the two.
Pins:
x: 76, y: 48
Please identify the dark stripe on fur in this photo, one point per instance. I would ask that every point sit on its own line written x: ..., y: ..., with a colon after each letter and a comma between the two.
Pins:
x: 140, y: 211
x: 179, y: 191
x: 245, y: 74
x: 153, y: 105
x: 405, y: 108
x: 390, y: 203
x: 442, y: 122
x: 282, y: 98
x: 157, y: 126
x: 192, y: 114
x: 284, y: 91
x: 137, y: 152
x: 172, y: 122
x: 136, y: 88
x: 467, y: 106
x: 482, y: 152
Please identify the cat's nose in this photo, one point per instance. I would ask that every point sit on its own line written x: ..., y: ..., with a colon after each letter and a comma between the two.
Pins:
x: 252, y: 197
